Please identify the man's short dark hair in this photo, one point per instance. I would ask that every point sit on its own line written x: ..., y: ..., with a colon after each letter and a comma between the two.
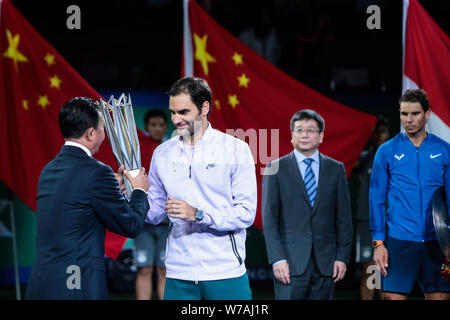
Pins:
x: 416, y: 95
x: 308, y: 114
x: 77, y: 115
x: 197, y: 88
x: 154, y: 113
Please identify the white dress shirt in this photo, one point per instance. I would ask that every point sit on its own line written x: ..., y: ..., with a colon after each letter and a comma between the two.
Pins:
x: 302, y: 165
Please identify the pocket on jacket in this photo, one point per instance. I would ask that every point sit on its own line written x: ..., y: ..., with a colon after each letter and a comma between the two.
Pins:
x: 393, y: 208
x: 169, y: 231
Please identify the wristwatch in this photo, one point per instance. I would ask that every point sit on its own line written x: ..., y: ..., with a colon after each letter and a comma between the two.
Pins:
x: 198, y: 215
x: 376, y: 243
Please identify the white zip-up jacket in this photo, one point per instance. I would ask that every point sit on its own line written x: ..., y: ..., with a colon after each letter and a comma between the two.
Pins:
x: 216, y: 176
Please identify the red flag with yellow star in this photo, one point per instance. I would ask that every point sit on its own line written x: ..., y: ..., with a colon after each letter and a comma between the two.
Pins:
x: 35, y: 81
x: 251, y: 94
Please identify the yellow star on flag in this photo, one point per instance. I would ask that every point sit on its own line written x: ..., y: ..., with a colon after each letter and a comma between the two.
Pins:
x: 55, y: 81
x: 25, y: 104
x: 237, y: 58
x: 50, y: 59
x: 12, y: 51
x: 217, y: 104
x: 201, y: 54
x: 233, y: 100
x: 243, y: 80
x: 43, y: 101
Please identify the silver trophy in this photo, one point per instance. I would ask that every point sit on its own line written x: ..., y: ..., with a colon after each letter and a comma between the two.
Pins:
x: 121, y: 129
x: 441, y: 220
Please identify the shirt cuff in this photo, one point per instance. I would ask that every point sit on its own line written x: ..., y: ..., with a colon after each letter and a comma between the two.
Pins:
x: 140, y: 189
x: 378, y: 236
x: 279, y: 261
x: 207, y: 221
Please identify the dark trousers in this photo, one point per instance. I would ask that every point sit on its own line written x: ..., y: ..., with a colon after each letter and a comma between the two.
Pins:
x: 311, y: 285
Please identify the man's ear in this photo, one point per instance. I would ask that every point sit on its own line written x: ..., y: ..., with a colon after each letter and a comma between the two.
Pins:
x: 90, y: 134
x: 205, y: 108
x: 321, y: 136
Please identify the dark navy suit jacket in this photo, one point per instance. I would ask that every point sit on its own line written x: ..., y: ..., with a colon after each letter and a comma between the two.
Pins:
x: 78, y: 197
x: 293, y: 229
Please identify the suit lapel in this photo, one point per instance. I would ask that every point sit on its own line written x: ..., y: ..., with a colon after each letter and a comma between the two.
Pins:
x: 298, y: 180
x: 321, y: 181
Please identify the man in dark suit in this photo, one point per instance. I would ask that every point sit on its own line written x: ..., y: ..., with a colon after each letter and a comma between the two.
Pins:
x: 306, y: 215
x: 78, y: 197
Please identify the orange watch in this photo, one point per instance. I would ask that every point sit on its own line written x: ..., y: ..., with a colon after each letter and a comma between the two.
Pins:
x: 376, y: 243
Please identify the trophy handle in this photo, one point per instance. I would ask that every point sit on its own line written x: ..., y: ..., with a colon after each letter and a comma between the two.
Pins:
x: 128, y: 187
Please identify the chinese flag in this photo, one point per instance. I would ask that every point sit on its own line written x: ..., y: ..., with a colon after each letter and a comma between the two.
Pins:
x: 426, y: 64
x: 251, y: 94
x: 35, y: 81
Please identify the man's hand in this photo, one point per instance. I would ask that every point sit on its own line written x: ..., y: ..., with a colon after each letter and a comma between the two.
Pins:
x: 380, y: 257
x: 281, y: 272
x: 180, y: 209
x: 119, y: 178
x: 140, y: 181
x: 339, y: 270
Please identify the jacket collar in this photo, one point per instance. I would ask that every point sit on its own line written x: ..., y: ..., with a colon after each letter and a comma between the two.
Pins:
x: 75, y: 144
x: 73, y: 151
x: 207, y: 136
x: 295, y: 172
x: 300, y: 156
x: 425, y: 141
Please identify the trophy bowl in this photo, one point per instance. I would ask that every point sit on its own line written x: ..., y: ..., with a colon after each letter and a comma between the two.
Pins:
x: 441, y: 220
x: 122, y: 134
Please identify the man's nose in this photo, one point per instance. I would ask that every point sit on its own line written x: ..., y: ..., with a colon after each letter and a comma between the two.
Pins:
x: 176, y: 119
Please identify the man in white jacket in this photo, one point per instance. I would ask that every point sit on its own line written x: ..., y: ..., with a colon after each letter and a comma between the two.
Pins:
x: 205, y: 181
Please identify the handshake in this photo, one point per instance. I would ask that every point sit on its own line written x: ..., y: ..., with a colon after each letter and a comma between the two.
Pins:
x: 138, y: 182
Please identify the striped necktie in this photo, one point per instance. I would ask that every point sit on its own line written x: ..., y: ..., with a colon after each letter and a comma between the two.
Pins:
x: 310, y: 181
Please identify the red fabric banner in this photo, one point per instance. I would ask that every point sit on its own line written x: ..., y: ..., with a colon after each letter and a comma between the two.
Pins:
x: 35, y: 81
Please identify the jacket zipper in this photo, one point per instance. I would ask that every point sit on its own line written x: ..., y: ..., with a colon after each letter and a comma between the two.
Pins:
x: 195, y: 240
x: 190, y: 164
x: 233, y: 245
x: 420, y: 194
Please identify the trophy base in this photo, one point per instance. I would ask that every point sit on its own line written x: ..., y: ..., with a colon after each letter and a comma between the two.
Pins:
x: 134, y: 173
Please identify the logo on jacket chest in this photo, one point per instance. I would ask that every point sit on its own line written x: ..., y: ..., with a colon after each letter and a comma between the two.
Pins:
x: 432, y: 156
x: 210, y: 165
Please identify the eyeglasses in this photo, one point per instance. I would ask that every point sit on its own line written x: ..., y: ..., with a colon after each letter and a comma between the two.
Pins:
x: 309, y: 130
